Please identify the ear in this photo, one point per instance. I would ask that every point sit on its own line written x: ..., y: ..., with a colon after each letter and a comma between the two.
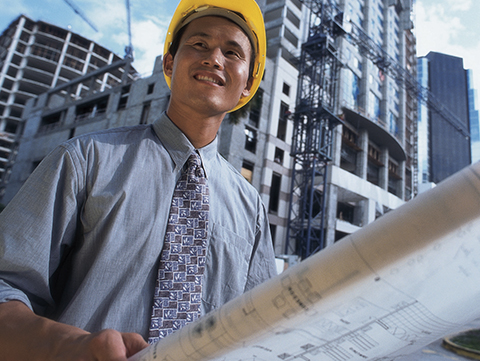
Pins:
x: 246, y: 91
x: 168, y: 64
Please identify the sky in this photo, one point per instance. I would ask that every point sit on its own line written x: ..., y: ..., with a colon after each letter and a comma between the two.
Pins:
x: 445, y: 26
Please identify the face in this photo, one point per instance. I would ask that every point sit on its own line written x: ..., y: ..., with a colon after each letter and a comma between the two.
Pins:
x: 210, y: 71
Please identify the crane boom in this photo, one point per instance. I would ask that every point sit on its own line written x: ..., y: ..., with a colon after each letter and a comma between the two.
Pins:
x: 129, y: 47
x: 80, y: 13
x: 391, y: 67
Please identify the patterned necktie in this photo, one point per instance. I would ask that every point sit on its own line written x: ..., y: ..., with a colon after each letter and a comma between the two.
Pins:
x: 178, y: 288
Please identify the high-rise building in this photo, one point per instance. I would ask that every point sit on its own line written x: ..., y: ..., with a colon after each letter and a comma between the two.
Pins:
x: 473, y: 115
x: 373, y: 156
x: 36, y: 56
x: 423, y: 144
x: 370, y: 171
x: 446, y: 146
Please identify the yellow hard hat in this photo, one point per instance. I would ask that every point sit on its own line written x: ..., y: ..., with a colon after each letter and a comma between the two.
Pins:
x: 245, y: 13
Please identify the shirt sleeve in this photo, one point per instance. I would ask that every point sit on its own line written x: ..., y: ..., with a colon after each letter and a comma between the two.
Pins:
x: 37, y: 229
x: 262, y: 263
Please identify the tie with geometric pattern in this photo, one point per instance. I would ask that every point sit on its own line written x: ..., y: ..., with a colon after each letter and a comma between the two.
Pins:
x: 178, y: 289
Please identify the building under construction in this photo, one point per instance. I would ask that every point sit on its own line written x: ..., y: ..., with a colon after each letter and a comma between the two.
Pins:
x: 329, y: 139
x: 36, y: 56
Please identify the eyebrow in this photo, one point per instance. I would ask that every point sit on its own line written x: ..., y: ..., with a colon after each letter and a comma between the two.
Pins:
x: 229, y: 42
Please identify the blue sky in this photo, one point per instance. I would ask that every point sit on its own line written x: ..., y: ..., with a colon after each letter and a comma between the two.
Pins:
x: 447, y: 26
x: 150, y: 19
x: 450, y: 27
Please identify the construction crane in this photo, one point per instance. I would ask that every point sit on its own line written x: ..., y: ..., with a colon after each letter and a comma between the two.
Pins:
x: 315, y: 117
x: 129, y: 47
x: 80, y: 13
x: 368, y: 48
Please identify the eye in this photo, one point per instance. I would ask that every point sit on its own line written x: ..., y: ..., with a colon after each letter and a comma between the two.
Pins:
x: 199, y: 44
x: 233, y: 54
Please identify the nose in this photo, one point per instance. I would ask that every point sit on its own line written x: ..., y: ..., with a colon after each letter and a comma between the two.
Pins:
x: 214, y: 58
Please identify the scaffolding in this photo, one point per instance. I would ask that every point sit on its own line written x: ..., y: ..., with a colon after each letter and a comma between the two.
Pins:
x: 315, y: 118
x: 314, y: 124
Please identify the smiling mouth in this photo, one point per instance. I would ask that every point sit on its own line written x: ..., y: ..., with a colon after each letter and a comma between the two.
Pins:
x: 209, y: 79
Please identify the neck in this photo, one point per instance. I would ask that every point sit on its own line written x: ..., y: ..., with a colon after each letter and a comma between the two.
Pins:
x: 199, y: 129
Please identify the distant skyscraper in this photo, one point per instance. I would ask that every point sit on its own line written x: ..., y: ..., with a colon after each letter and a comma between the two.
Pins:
x: 448, y: 147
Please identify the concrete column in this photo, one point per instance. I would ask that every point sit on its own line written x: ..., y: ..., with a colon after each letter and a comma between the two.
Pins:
x: 331, y: 214
x: 365, y: 212
x: 337, y: 145
x: 384, y: 157
x: 362, y: 156
x: 401, y: 183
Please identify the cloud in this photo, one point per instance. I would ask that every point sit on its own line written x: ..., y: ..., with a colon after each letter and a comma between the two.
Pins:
x: 459, y: 5
x: 148, y: 39
x: 435, y: 29
x: 445, y: 27
x: 148, y: 32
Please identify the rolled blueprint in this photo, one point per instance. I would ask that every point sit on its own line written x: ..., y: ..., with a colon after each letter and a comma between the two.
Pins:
x: 399, y: 283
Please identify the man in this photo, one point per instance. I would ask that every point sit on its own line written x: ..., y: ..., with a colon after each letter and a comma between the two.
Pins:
x: 80, y: 244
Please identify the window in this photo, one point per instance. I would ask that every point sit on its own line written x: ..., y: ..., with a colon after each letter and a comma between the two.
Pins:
x: 393, y: 124
x: 50, y: 122
x: 282, y: 121
x: 286, y: 89
x: 21, y: 48
x: 73, y: 63
x: 374, y: 165
x: 150, y: 89
x: 247, y: 170
x: 293, y: 18
x: 393, y: 177
x: 7, y: 84
x: 250, y: 139
x: 279, y: 154
x: 145, y: 113
x: 256, y: 109
x: 349, y: 151
x: 273, y: 232
x: 373, y: 173
x: 122, y: 104
x: 374, y: 106
x: 77, y: 53
x: 290, y: 37
x: 351, y: 89
x: 91, y: 109
x: 11, y: 127
x: 4, y: 154
x: 345, y: 212
x: 275, y: 193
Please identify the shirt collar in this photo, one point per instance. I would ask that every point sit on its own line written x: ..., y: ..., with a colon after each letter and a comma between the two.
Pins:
x: 179, y: 147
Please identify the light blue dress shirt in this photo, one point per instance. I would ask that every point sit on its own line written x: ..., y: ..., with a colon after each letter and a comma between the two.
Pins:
x: 80, y: 242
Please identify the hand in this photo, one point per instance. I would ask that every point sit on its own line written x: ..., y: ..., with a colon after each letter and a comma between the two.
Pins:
x: 106, y: 345
x: 26, y: 336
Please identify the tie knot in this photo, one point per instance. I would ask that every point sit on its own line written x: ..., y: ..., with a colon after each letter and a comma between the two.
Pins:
x: 194, y: 166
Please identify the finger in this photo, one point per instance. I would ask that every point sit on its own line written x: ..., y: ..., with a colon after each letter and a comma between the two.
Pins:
x: 107, y: 345
x: 134, y: 343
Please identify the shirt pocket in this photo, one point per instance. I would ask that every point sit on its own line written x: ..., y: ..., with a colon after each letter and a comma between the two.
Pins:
x: 226, y: 270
